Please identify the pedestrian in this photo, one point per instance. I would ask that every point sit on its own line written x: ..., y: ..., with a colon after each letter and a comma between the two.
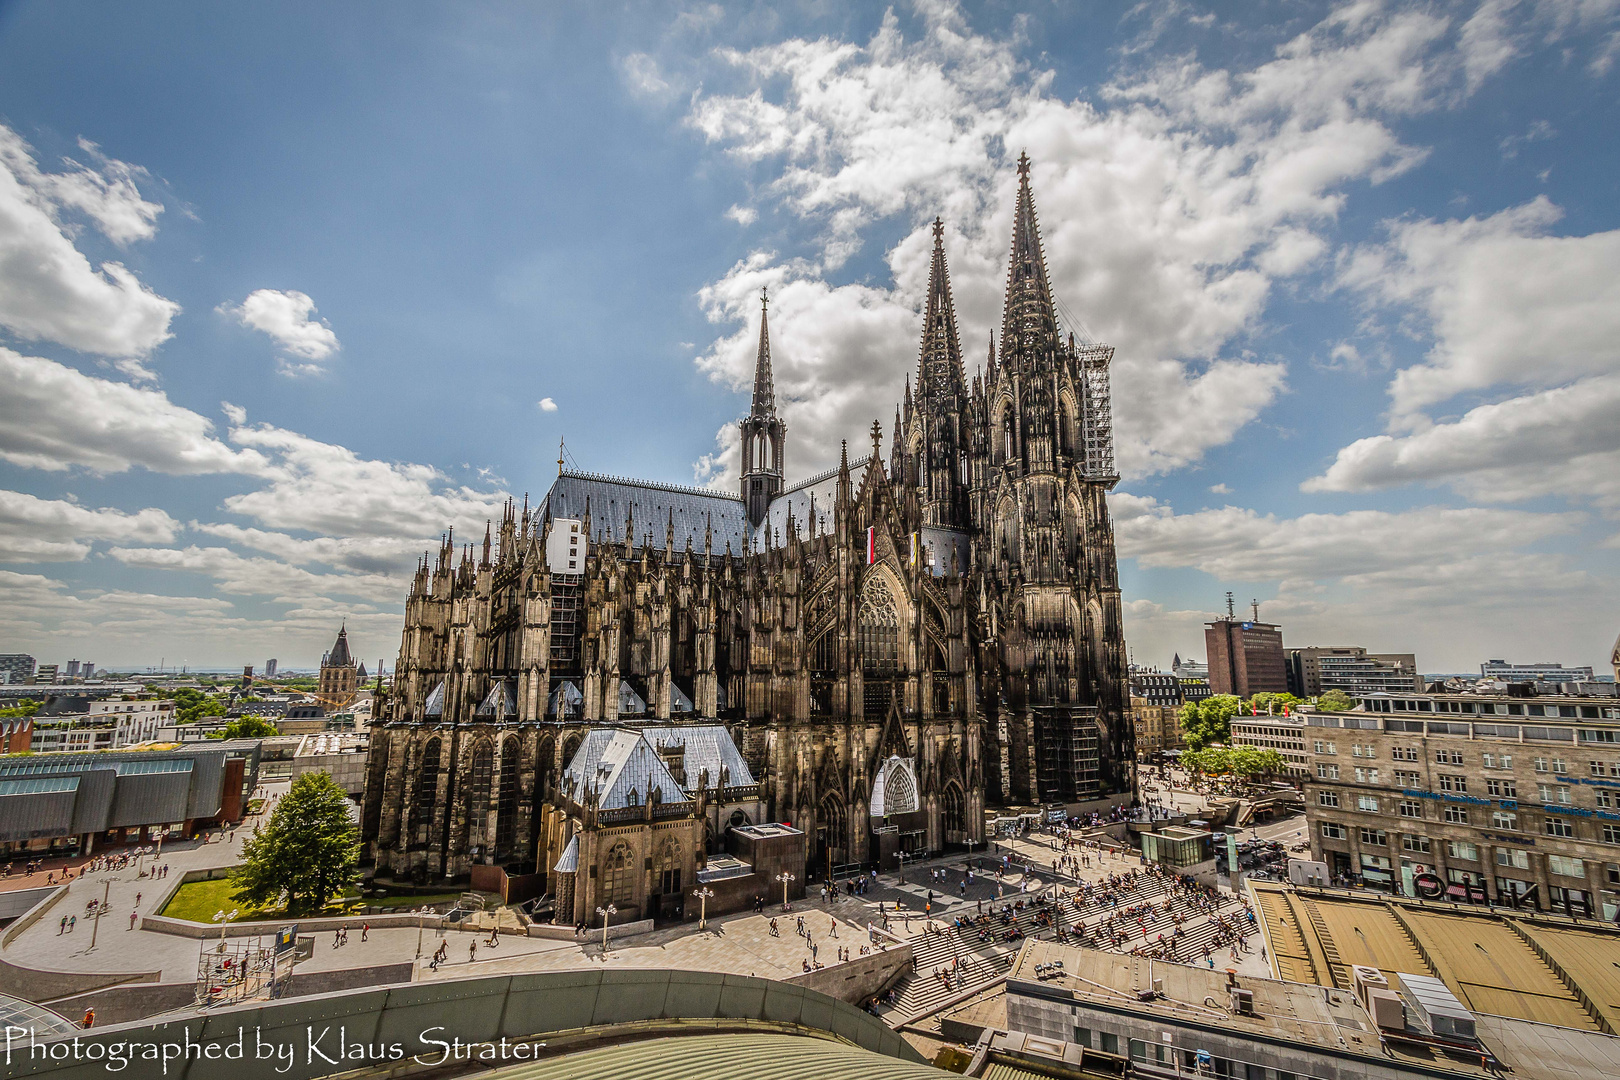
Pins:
x: 61, y: 927
x: 365, y: 928
x: 132, y: 917
x: 89, y: 1018
x: 73, y: 920
x: 137, y: 899
x: 472, y: 951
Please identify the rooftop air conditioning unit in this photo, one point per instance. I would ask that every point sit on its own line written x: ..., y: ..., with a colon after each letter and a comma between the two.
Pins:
x: 1242, y: 1001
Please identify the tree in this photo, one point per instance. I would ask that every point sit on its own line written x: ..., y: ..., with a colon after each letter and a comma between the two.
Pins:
x: 1208, y: 721
x: 1245, y: 762
x: 1335, y: 701
x: 1266, y: 700
x: 308, y: 851
x: 246, y: 727
x: 26, y: 707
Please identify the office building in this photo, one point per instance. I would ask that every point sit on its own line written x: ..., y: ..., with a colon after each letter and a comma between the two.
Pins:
x: 1188, y: 669
x: 1245, y: 658
x: 73, y: 669
x: 1084, y: 1012
x: 80, y: 723
x: 1545, y: 671
x: 1315, y: 670
x: 1284, y: 734
x: 1507, y: 799
x: 270, y: 668
x: 45, y: 674
x: 16, y: 668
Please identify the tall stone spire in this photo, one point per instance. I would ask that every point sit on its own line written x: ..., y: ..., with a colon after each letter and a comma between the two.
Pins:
x: 1028, y: 322
x: 763, y: 434
x: 764, y: 385
x: 939, y: 361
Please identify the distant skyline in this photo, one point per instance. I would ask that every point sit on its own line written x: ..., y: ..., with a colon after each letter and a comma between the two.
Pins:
x: 288, y: 289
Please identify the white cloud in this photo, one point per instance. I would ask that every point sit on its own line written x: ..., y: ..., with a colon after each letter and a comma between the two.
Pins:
x: 1418, y: 550
x: 46, y: 530
x: 1168, y: 211
x: 743, y: 215
x: 330, y: 490
x: 1564, y: 441
x: 48, y: 288
x: 285, y: 317
x: 1219, y: 489
x: 547, y: 405
x: 642, y: 75
x: 251, y: 576
x: 1508, y: 304
x: 53, y: 417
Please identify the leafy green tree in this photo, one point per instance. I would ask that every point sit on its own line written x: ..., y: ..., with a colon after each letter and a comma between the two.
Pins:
x: 307, y: 852
x: 1335, y: 701
x: 1265, y: 699
x: 191, y: 705
x: 246, y: 727
x: 1245, y: 762
x: 1209, y: 721
x: 26, y: 707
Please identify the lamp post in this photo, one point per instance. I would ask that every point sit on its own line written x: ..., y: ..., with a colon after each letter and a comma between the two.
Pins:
x: 606, y: 913
x: 703, y: 893
x: 421, y: 913
x: 222, y: 918
x: 101, y: 909
x: 786, y: 879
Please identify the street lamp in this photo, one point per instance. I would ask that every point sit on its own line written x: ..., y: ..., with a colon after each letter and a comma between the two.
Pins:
x: 101, y: 909
x: 606, y: 913
x: 703, y: 893
x: 222, y: 918
x: 786, y: 879
x: 421, y: 913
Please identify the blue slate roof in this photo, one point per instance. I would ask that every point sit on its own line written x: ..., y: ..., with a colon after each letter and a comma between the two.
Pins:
x: 618, y: 761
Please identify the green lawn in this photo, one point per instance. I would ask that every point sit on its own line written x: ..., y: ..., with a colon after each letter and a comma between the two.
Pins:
x: 198, y: 901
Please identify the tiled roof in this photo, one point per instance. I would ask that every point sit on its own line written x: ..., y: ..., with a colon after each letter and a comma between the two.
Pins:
x: 614, y: 761
x: 613, y: 500
x: 821, y: 490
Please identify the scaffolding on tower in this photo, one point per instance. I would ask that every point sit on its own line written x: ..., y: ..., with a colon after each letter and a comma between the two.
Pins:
x: 1099, y: 417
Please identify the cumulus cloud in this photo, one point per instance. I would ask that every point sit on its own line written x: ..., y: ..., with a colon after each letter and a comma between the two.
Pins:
x: 328, y: 489
x: 52, y: 530
x: 1449, y: 582
x: 1427, y: 549
x: 547, y: 405
x: 48, y: 288
x: 1508, y: 303
x: 285, y: 317
x: 1564, y: 441
x: 1168, y: 210
x: 54, y: 417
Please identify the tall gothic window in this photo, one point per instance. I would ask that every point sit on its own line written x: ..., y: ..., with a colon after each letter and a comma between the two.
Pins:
x: 506, y: 810
x: 427, y: 791
x: 618, y: 879
x: 879, y: 629
x: 483, y: 771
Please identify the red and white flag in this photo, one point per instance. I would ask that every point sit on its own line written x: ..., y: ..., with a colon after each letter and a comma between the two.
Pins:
x: 871, y: 545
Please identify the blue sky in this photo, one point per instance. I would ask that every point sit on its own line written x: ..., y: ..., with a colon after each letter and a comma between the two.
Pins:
x: 285, y: 290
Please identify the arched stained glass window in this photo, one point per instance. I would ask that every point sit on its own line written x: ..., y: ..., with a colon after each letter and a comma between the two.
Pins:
x: 879, y: 625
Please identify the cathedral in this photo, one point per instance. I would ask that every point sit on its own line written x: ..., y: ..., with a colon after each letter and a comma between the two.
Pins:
x: 888, y: 648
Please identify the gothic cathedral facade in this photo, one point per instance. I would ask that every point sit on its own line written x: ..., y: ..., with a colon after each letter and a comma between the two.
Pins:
x: 892, y: 649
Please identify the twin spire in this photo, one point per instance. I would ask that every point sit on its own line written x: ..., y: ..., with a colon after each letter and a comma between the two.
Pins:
x: 939, y: 363
x: 1028, y: 317
x: 764, y: 385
